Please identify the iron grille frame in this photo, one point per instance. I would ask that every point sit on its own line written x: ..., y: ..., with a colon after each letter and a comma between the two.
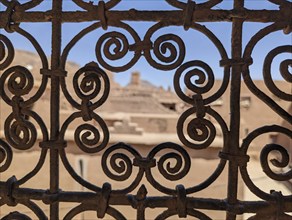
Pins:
x: 102, y: 199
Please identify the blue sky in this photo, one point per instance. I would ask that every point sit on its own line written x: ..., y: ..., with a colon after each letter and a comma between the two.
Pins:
x: 198, y: 47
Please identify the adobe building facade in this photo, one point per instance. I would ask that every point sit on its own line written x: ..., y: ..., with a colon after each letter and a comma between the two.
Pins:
x: 143, y: 116
x: 140, y: 108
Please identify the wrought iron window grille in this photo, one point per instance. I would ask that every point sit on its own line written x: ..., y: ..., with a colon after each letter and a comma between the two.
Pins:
x: 20, y: 126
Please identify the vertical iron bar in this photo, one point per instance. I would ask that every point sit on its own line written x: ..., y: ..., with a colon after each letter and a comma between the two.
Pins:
x: 55, y: 100
x: 236, y: 53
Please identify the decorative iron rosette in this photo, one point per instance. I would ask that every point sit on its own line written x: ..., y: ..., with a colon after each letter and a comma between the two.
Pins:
x: 201, y: 132
x: 20, y: 132
x: 6, y: 52
x: 16, y: 86
x: 19, y: 81
x: 118, y: 162
x: 175, y: 170
x: 281, y: 162
x: 5, y: 156
x: 166, y: 52
x: 114, y: 46
x: 284, y: 70
x: 200, y: 129
x: 91, y: 85
x: 204, y: 81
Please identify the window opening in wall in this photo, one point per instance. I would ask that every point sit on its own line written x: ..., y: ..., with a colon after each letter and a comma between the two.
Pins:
x: 245, y: 102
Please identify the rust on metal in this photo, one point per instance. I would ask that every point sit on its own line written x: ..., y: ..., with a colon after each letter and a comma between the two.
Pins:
x: 91, y: 87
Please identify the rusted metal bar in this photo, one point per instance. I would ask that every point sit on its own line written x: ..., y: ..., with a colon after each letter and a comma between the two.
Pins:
x: 55, y: 105
x: 150, y: 201
x: 200, y: 15
x: 236, y: 50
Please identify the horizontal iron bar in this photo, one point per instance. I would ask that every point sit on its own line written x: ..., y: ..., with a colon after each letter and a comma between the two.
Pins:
x: 151, y: 202
x: 200, y: 15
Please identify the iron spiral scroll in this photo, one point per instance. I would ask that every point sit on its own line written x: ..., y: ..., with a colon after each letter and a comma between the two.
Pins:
x: 118, y: 49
